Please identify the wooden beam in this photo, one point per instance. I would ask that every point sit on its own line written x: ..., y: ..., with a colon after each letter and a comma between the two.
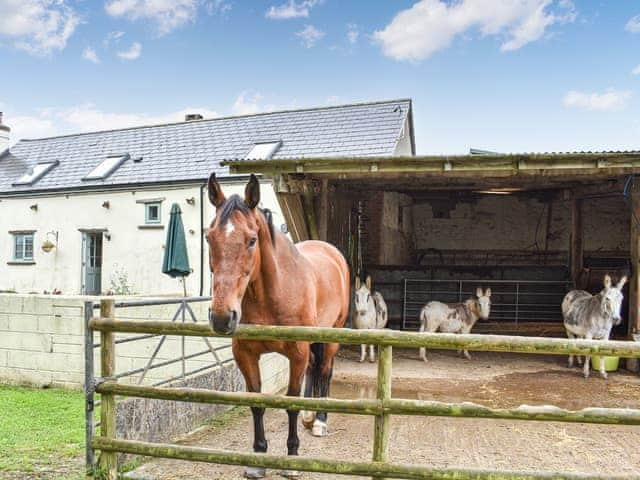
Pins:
x: 323, y: 214
x: 310, y: 215
x: 577, y: 244
x: 108, y: 461
x: 634, y: 286
x: 293, y: 212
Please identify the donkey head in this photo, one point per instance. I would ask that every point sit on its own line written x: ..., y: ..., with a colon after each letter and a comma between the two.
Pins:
x: 612, y: 298
x: 362, y: 295
x: 234, y: 253
x: 484, y: 302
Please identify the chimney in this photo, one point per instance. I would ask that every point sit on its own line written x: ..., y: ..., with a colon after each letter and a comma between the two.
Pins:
x: 190, y: 117
x: 4, y: 136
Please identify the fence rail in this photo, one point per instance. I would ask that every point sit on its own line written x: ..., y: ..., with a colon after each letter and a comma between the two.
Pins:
x: 382, y: 407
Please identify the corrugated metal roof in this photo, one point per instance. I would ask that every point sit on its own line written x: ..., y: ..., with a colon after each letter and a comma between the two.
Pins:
x: 192, y: 150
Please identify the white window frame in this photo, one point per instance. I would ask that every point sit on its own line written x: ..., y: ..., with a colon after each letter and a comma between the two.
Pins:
x: 20, y: 252
x: 263, y: 150
x: 106, y: 167
x: 34, y: 174
x: 147, y: 208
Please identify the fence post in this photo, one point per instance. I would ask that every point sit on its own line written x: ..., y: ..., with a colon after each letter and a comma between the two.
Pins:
x: 108, y: 460
x: 381, y: 425
x: 89, y: 386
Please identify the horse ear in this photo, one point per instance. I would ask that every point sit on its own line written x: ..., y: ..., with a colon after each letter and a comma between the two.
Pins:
x: 216, y: 197
x: 621, y: 283
x: 478, y: 292
x: 368, y: 282
x: 357, y: 283
x: 252, y: 192
x: 487, y: 292
x: 607, y: 281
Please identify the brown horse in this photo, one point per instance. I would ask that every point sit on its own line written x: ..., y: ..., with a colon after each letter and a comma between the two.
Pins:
x: 261, y: 278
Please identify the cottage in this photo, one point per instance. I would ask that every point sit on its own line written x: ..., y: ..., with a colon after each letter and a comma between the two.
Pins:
x: 85, y: 213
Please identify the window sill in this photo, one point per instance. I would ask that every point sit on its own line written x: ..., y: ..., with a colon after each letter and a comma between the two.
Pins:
x: 151, y: 227
x: 18, y: 262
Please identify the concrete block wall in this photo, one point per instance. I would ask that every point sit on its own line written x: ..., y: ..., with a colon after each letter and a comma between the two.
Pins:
x: 42, y: 343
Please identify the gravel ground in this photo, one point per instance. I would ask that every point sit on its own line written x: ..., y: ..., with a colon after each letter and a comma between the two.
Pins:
x: 496, y: 380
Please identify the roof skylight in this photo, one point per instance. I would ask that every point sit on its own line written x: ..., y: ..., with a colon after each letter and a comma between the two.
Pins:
x: 107, y: 167
x: 35, y: 174
x: 263, y: 150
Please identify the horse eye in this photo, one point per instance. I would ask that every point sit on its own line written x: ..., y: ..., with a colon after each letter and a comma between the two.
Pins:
x: 252, y: 242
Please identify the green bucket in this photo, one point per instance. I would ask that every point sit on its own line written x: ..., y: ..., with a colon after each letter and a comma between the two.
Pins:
x: 610, y: 363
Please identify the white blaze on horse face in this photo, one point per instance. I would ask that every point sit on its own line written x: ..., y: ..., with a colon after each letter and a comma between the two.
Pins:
x: 229, y: 228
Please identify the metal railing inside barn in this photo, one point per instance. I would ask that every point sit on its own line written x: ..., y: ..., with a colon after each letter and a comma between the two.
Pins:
x: 511, y: 300
x: 382, y: 407
x: 183, y: 314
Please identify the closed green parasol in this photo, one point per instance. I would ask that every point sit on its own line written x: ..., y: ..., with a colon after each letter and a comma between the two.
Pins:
x: 176, y: 259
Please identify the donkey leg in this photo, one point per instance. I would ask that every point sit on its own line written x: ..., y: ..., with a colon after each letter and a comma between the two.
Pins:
x: 372, y: 353
x: 603, y: 372
x: 423, y: 354
x: 248, y: 363
x: 570, y: 364
x: 324, y: 380
x: 363, y: 352
x: 466, y: 354
x: 587, y: 360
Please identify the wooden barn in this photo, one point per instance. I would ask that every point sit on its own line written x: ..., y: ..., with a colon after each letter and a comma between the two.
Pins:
x: 529, y: 226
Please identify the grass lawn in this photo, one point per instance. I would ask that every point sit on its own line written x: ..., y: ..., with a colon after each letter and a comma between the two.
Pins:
x: 41, y: 433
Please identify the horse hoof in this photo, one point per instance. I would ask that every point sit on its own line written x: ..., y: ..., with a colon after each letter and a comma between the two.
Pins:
x: 254, y: 472
x: 319, y: 429
x: 290, y: 473
x: 372, y: 360
x: 361, y: 360
x: 307, y: 419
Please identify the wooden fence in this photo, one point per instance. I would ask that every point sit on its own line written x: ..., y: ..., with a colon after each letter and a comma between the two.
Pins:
x: 382, y: 407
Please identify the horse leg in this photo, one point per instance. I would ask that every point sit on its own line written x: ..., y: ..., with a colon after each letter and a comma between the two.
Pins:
x: 249, y: 366
x: 308, y: 417
x: 363, y: 352
x: 324, y: 370
x: 298, y: 360
x: 372, y: 354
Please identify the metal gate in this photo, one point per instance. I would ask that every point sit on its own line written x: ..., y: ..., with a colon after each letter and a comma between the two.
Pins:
x: 382, y: 407
x: 511, y: 300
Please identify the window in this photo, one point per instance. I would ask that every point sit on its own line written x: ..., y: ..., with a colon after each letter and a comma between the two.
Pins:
x: 23, y: 247
x: 152, y: 213
x: 107, y: 167
x: 35, y: 174
x: 264, y: 150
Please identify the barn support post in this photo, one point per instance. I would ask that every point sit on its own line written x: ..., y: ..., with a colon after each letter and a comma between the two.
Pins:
x: 108, y: 460
x: 381, y: 425
x: 634, y: 286
x: 323, y: 214
x: 577, y: 244
x: 310, y: 214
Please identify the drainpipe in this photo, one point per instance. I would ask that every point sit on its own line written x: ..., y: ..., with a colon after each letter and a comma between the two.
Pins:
x: 202, y: 187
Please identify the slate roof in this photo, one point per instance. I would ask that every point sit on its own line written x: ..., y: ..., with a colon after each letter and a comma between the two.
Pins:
x: 192, y: 150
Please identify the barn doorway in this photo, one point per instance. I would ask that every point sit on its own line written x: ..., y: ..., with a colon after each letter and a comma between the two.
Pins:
x: 91, y: 263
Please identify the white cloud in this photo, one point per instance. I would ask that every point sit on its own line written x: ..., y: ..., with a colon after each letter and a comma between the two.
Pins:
x: 310, y: 35
x: 633, y: 25
x: 220, y: 7
x: 247, y: 103
x: 353, y: 32
x: 609, y: 100
x: 112, y: 37
x: 90, y: 55
x: 428, y: 26
x: 291, y: 9
x: 167, y: 14
x: 636, y: 71
x: 88, y: 118
x: 134, y: 52
x: 39, y: 27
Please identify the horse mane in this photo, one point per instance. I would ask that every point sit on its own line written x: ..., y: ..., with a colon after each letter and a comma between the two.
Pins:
x: 236, y: 203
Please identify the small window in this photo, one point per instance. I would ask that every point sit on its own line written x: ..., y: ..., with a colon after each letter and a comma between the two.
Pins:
x: 264, y: 150
x: 106, y: 167
x: 35, y: 174
x: 23, y: 247
x: 152, y: 213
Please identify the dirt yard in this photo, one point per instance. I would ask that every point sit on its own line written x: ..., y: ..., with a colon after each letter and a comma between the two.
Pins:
x: 496, y: 380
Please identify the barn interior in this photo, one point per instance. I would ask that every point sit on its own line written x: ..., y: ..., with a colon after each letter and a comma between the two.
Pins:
x: 530, y: 227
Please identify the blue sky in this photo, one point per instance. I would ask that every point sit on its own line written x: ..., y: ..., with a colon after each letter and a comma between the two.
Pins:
x: 505, y: 75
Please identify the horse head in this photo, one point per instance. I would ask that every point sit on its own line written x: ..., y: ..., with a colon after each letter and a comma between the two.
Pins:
x: 362, y: 295
x: 234, y: 239
x: 612, y: 298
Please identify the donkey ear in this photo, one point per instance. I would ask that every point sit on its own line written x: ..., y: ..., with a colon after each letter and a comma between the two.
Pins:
x: 368, y: 282
x: 478, y: 292
x: 607, y: 281
x: 357, y: 283
x: 621, y: 283
x: 252, y: 192
x: 487, y: 292
x: 216, y: 197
